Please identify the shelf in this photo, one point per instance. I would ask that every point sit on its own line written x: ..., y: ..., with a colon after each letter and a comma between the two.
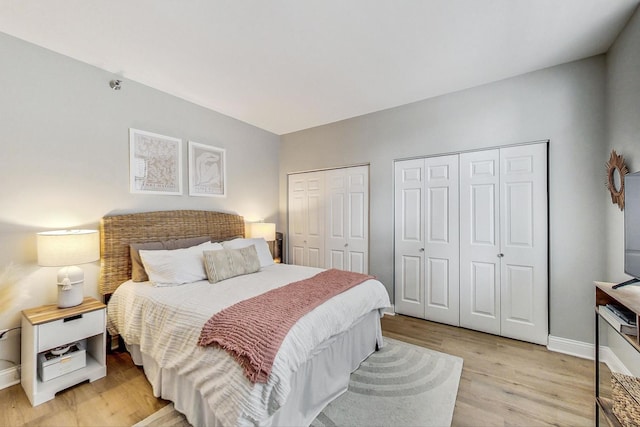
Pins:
x: 93, y: 370
x: 631, y: 339
x: 629, y: 297
x: 606, y: 405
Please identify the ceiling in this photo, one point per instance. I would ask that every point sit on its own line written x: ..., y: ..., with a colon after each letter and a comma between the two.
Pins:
x: 287, y: 65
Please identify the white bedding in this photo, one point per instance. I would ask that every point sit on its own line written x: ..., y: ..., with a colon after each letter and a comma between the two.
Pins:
x: 165, y: 323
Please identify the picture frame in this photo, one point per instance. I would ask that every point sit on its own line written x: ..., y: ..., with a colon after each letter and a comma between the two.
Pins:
x: 207, y: 170
x: 155, y: 163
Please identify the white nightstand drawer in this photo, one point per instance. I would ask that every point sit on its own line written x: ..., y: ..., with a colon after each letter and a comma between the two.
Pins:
x: 72, y: 328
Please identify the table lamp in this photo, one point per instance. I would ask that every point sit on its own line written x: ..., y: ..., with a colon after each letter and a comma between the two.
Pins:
x: 66, y: 248
x: 266, y: 230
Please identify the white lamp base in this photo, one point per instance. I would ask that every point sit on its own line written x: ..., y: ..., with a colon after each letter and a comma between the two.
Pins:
x: 70, y: 281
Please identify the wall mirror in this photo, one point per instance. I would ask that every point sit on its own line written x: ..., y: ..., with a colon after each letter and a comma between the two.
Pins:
x: 616, y: 170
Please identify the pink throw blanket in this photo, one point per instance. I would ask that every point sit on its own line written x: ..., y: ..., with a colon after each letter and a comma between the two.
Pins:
x: 253, y: 330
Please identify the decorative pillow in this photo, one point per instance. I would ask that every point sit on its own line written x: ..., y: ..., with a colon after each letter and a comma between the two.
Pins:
x: 137, y: 269
x: 177, y: 266
x: 228, y: 263
x: 264, y: 254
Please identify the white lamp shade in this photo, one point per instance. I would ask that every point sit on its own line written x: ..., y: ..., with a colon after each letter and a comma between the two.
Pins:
x: 266, y: 230
x: 68, y: 247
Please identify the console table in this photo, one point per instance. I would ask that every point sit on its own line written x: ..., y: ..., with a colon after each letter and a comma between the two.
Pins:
x: 629, y: 297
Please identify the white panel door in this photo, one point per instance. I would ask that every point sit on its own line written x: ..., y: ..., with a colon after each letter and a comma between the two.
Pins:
x: 409, y: 234
x: 347, y: 219
x: 297, y: 218
x: 486, y: 262
x: 523, y: 231
x: 306, y: 219
x: 479, y: 241
x: 358, y: 219
x: 335, y: 255
x: 441, y: 240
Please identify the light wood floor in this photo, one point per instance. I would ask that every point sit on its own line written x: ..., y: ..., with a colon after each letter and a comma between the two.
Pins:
x: 504, y: 383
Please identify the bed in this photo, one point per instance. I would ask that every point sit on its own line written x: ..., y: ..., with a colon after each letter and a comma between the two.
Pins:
x: 161, y: 325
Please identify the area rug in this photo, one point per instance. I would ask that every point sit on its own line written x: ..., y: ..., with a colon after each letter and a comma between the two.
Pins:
x: 402, y: 384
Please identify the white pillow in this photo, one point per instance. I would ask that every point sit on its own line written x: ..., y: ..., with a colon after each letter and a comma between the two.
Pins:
x: 264, y: 254
x: 176, y: 266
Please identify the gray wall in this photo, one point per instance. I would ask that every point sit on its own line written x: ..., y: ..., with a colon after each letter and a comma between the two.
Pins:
x: 65, y: 159
x: 564, y: 104
x: 623, y: 128
x: 623, y: 135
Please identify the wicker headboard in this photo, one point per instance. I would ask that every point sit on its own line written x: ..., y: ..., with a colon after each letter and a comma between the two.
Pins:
x: 118, y: 231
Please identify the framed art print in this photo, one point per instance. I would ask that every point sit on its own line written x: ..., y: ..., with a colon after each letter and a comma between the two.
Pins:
x: 155, y: 163
x: 207, y: 170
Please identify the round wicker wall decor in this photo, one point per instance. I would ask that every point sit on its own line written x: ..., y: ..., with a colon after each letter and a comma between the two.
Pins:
x: 616, y: 170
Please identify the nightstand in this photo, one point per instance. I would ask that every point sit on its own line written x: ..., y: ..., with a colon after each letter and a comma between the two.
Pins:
x: 48, y: 327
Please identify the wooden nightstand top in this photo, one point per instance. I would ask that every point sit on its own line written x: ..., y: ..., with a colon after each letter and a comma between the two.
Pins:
x: 51, y: 312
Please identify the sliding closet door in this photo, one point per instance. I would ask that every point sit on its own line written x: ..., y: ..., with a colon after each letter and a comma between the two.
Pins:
x: 306, y: 219
x: 347, y: 219
x: 409, y: 237
x: 523, y: 231
x: 479, y: 241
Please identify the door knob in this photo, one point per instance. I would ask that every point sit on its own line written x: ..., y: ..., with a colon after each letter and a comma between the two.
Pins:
x: 421, y: 249
x: 346, y: 244
x: 500, y: 255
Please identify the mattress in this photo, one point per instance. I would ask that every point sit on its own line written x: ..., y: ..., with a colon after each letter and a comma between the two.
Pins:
x: 164, y: 324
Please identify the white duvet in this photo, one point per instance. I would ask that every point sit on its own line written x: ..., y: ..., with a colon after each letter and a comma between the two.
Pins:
x: 166, y: 322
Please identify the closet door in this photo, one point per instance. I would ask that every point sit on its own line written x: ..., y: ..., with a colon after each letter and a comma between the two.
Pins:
x: 441, y: 270
x: 479, y: 241
x: 426, y: 239
x: 347, y: 219
x: 409, y: 234
x: 523, y: 231
x: 504, y: 243
x: 306, y: 219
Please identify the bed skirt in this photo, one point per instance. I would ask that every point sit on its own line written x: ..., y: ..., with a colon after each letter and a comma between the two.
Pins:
x: 316, y: 383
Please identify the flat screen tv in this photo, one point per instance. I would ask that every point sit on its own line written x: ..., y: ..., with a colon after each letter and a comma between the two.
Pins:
x: 632, y: 225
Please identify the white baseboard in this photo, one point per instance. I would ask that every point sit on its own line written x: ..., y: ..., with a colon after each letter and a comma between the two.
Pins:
x: 587, y: 351
x: 9, y: 377
x: 571, y: 347
x: 390, y: 311
x: 615, y: 365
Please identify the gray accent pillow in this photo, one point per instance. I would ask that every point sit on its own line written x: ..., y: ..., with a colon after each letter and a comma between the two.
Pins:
x: 138, y: 273
x: 228, y: 263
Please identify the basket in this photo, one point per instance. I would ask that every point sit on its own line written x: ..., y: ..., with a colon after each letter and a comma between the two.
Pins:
x: 626, y: 399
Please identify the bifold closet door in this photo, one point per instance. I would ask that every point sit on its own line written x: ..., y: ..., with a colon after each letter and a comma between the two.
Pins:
x: 409, y: 238
x: 524, y: 243
x: 306, y: 219
x: 479, y: 241
x: 442, y: 243
x: 503, y: 242
x: 347, y: 219
x: 329, y: 218
x: 426, y: 238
